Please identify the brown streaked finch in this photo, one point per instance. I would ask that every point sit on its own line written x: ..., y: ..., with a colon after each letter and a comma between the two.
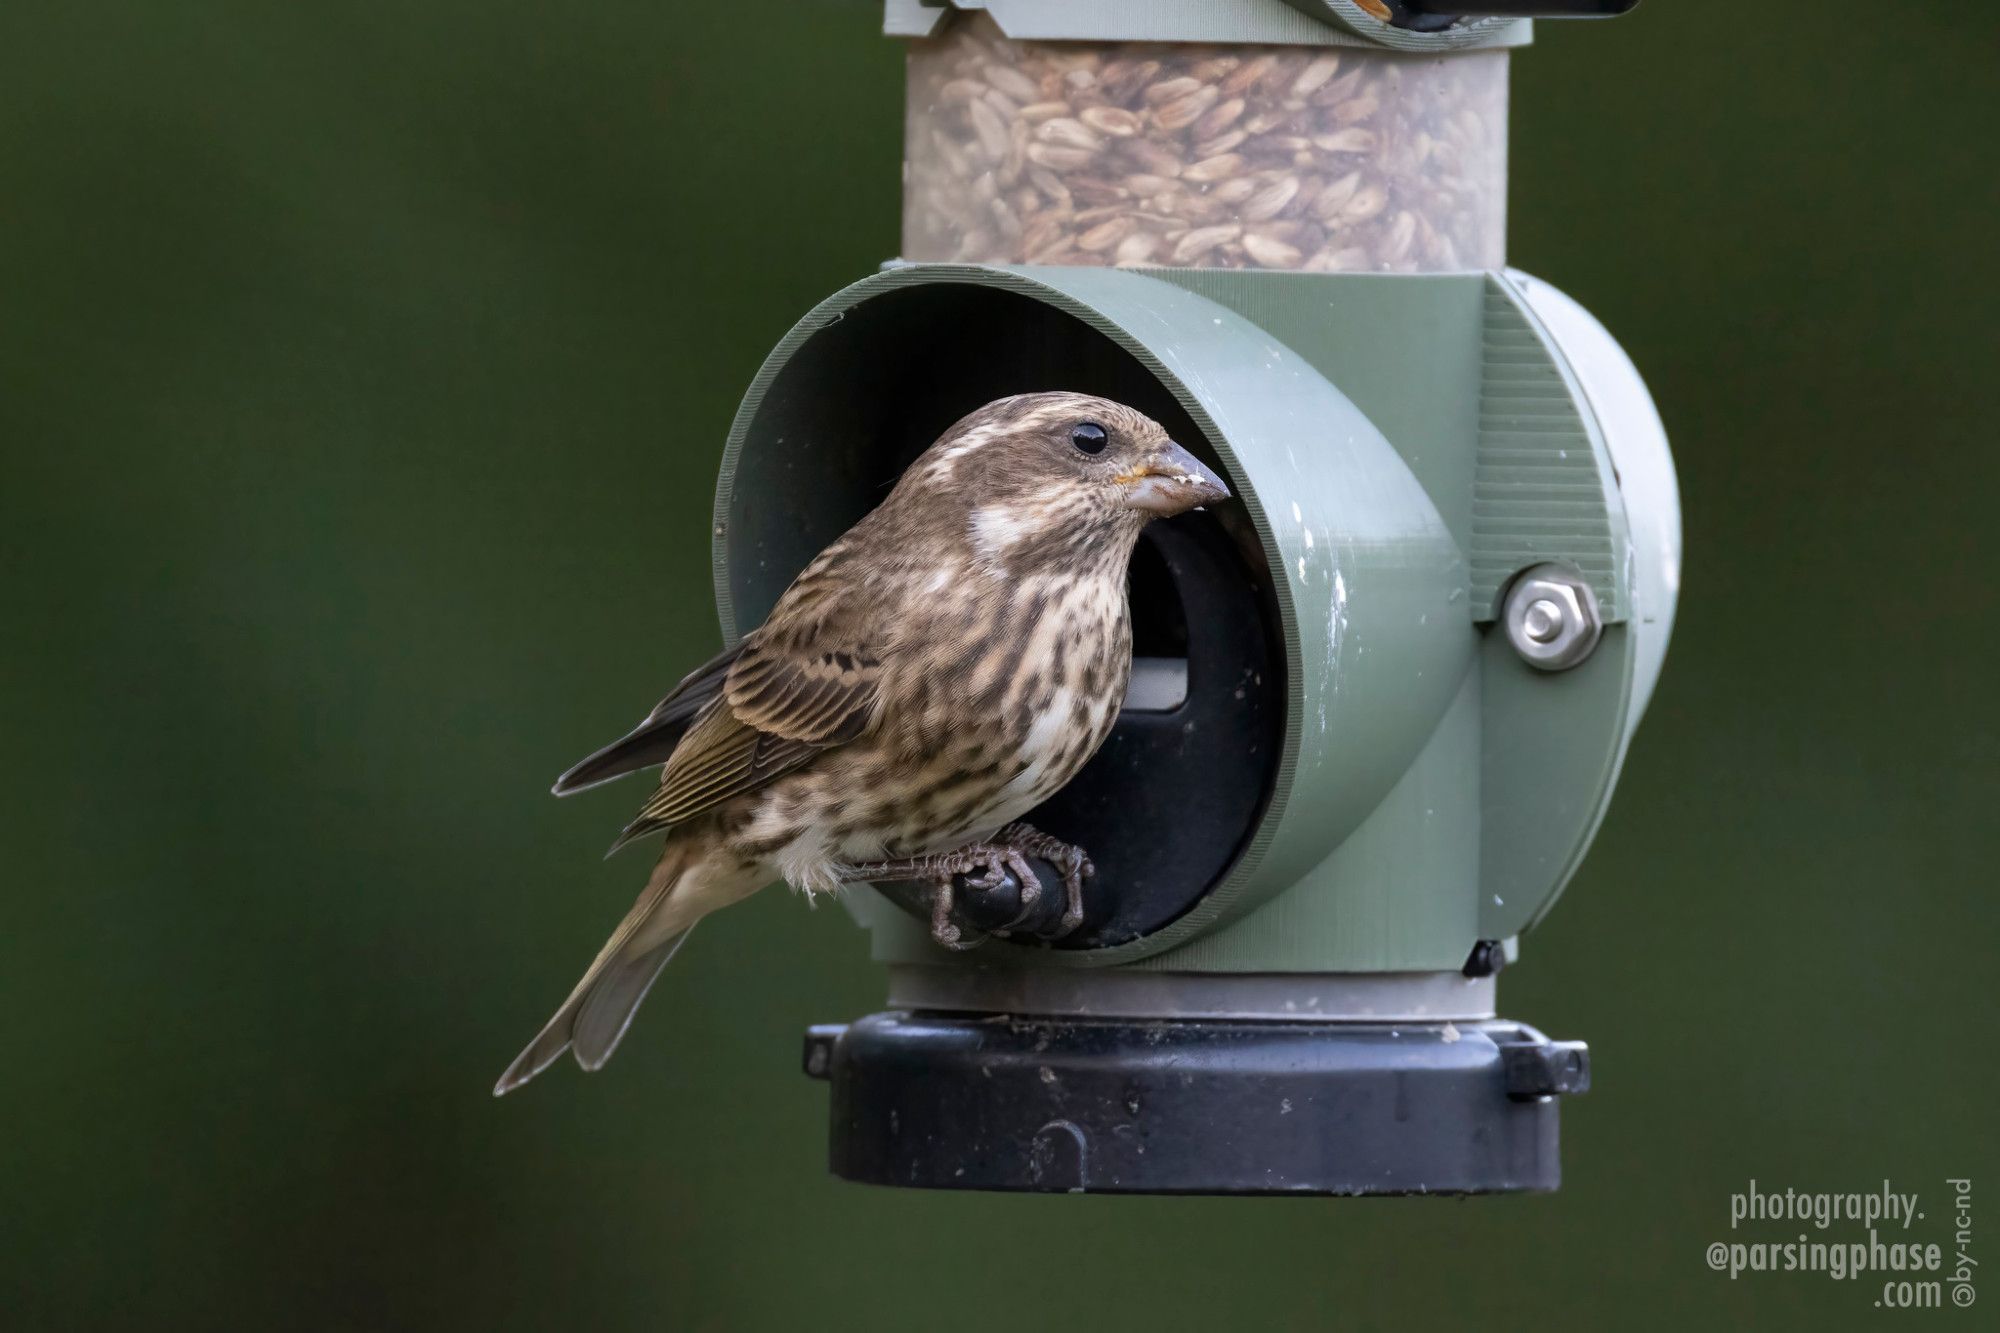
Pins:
x: 933, y: 675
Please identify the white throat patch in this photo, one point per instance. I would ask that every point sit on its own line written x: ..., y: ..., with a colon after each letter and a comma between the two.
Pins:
x: 998, y: 529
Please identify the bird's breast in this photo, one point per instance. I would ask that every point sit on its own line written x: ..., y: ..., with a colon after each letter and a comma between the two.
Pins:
x: 1068, y: 650
x: 992, y: 705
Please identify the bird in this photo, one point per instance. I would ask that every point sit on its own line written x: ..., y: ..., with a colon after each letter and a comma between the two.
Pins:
x: 934, y: 674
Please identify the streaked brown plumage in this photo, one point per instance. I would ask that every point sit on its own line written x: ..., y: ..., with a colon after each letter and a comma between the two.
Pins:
x: 930, y: 677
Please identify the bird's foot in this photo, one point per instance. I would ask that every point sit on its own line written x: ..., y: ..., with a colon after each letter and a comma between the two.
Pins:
x: 994, y: 863
x: 1072, y: 860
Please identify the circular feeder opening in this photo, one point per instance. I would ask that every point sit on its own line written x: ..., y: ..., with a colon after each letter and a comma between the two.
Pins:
x: 1170, y: 802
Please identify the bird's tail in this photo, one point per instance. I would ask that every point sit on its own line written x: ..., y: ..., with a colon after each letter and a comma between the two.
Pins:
x: 596, y: 1014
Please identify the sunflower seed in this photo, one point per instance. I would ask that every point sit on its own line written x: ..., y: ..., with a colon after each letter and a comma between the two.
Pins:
x: 1234, y: 191
x: 1203, y: 239
x: 1105, y: 234
x: 1368, y: 202
x: 1222, y: 143
x: 1315, y: 75
x: 1271, y: 253
x: 1168, y: 90
x: 1351, y: 140
x: 1013, y: 82
x: 1270, y: 200
x: 1069, y: 134
x: 1136, y: 249
x: 1334, y: 198
x: 1356, y: 109
x: 1115, y: 121
x: 1246, y: 75
x: 1220, y: 118
x: 990, y: 127
x: 1058, y: 158
x: 1216, y: 168
x: 1184, y: 111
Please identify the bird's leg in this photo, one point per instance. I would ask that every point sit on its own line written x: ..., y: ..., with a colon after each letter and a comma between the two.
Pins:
x: 1072, y: 860
x: 944, y: 930
x: 993, y: 861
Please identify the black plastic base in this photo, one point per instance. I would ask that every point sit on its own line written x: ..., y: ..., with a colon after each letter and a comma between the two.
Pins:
x: 1194, y: 1107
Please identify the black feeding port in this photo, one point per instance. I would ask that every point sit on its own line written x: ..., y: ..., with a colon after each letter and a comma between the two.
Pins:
x: 1166, y: 807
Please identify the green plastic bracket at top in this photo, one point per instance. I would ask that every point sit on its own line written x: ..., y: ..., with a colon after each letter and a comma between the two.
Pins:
x: 1274, y: 22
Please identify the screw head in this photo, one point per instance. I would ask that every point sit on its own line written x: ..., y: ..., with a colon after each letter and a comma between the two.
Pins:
x: 1542, y: 621
x: 1551, y: 617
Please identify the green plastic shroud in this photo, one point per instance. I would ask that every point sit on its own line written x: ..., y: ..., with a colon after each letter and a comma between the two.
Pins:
x: 1277, y: 22
x: 1402, y: 445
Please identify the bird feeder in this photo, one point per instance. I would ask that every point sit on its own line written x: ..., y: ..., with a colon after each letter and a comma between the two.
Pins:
x: 1378, y: 705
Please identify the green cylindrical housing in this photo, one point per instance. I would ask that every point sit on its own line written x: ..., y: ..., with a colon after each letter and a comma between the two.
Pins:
x: 1371, y: 852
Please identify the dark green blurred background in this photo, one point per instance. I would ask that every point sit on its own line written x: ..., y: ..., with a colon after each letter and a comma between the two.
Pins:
x: 363, y: 371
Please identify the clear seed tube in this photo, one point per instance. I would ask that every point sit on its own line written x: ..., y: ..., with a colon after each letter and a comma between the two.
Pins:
x: 1283, y: 157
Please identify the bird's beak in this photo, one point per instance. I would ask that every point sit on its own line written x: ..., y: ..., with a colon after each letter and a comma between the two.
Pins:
x: 1171, y: 481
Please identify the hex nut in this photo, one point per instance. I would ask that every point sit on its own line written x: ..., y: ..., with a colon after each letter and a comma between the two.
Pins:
x: 1551, y: 617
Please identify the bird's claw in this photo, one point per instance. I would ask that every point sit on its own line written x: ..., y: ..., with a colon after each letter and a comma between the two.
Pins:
x: 1073, y: 861
x: 1002, y: 864
x: 944, y: 931
x: 994, y: 866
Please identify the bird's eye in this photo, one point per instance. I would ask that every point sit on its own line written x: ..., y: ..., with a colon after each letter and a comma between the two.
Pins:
x: 1089, y: 437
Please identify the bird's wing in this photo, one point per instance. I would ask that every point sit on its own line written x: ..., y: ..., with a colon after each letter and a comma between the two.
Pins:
x: 808, y: 680
x: 653, y: 740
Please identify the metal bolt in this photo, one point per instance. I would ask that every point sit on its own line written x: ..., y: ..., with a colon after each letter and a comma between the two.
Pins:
x: 1543, y: 621
x: 1551, y: 617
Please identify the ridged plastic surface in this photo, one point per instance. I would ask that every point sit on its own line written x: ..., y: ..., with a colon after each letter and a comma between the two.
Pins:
x: 1539, y: 479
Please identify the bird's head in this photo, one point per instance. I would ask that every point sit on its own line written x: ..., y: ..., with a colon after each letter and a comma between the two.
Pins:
x: 1048, y: 472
